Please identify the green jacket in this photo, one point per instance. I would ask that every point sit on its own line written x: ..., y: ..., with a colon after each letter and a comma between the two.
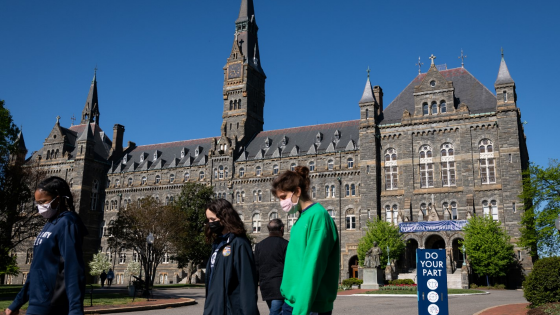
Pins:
x: 311, y: 269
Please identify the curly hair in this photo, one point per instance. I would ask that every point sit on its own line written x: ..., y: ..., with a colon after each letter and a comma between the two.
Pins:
x: 229, y: 218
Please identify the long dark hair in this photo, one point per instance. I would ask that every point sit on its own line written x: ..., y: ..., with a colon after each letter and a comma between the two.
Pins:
x: 228, y: 217
x: 290, y: 180
x: 55, y: 186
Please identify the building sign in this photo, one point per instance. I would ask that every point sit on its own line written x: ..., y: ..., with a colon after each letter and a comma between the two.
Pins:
x: 432, y: 226
x: 432, y: 282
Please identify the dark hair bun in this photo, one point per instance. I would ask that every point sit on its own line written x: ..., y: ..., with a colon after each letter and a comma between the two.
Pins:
x: 303, y: 171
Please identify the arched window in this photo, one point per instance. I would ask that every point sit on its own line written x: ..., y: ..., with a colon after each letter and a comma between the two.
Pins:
x: 117, y: 183
x: 490, y: 209
x: 144, y: 180
x: 29, y: 257
x: 313, y: 192
x: 350, y: 162
x: 235, y: 104
x: 347, y: 189
x: 165, y: 260
x: 166, y: 200
x: 332, y: 191
x: 275, y: 169
x: 171, y: 178
x: 254, y: 196
x: 130, y: 182
x: 447, y: 165
x: 221, y: 172
x: 260, y: 195
x: 258, y: 171
x: 122, y: 256
x: 311, y: 166
x: 353, y: 190
x: 273, y: 215
x: 107, y: 206
x: 425, y: 109
x: 187, y: 176
x: 442, y: 107
x: 238, y: 197
x: 454, y: 214
x: 241, y: 172
x: 238, y: 104
x: 332, y: 213
x: 256, y: 223
x: 391, y: 169
x: 292, y: 167
x: 230, y: 105
x: 216, y: 173
x: 330, y: 165
x: 391, y: 213
x: 201, y: 175
x: 426, y: 167
x: 350, y: 219
x: 327, y: 191
x: 434, y: 108
x: 158, y: 179
x: 487, y: 163
x: 242, y: 197
x: 292, y: 218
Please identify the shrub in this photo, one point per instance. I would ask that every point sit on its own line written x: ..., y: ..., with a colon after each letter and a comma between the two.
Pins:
x: 401, y: 281
x: 347, y: 283
x: 399, y: 287
x: 473, y: 286
x: 543, y: 283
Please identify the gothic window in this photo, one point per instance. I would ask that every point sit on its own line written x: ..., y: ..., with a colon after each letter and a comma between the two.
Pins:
x: 122, y: 256
x: 350, y: 162
x: 241, y: 172
x: 311, y: 166
x: 425, y: 109
x: 313, y: 192
x: 235, y: 104
x: 426, y: 167
x: 454, y: 215
x: 155, y: 155
x: 130, y: 181
x: 434, y: 108
x: 221, y: 172
x: 258, y: 171
x: 332, y: 191
x: 187, y: 176
x: 490, y: 209
x: 216, y: 173
x: 254, y: 196
x: 201, y: 175
x: 230, y: 105
x: 330, y: 165
x: 29, y: 257
x: 117, y: 183
x: 256, y: 223
x: 275, y: 169
x: 242, y: 197
x: 327, y: 191
x: 487, y: 162
x: 353, y: 190
x: 273, y: 215
x: 239, y: 104
x: 442, y: 107
x: 260, y: 195
x: 171, y: 178
x: 504, y: 95
x: 125, y: 158
x: 447, y: 165
x: 391, y: 169
x: 238, y: 197
x: 165, y: 260
x: 292, y: 167
x: 144, y: 180
x: 347, y: 189
x: 391, y: 214
x: 367, y: 113
x: 350, y: 219
x: 158, y: 179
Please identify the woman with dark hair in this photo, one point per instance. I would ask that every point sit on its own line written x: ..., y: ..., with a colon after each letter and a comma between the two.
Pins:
x: 311, y: 269
x: 56, y: 280
x: 231, y: 279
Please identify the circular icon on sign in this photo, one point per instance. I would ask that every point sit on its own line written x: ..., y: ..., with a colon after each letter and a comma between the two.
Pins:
x: 433, y: 297
x: 432, y: 284
x: 433, y: 309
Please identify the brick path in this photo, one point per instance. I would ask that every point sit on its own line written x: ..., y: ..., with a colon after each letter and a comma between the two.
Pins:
x: 509, y: 309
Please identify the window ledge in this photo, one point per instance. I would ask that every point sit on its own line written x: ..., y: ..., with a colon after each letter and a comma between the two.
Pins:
x: 438, y: 190
x: 393, y: 192
x: 488, y: 187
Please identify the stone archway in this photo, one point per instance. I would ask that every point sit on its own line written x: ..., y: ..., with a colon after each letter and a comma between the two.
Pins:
x: 457, y: 253
x: 353, y: 267
x: 434, y: 241
x: 410, y: 254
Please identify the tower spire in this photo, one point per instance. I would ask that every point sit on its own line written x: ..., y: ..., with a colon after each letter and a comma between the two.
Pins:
x: 246, y: 30
x: 247, y: 11
x: 90, y: 114
x: 503, y: 73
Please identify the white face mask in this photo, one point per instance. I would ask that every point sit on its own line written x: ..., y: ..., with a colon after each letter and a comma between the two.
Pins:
x: 46, y: 210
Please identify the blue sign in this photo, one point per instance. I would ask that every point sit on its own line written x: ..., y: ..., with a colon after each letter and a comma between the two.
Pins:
x: 431, y: 276
x: 432, y: 226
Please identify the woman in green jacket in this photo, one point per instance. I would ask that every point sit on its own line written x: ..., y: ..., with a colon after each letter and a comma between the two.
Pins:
x: 311, y: 270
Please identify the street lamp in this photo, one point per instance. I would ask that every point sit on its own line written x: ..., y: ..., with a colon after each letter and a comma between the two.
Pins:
x: 464, y: 257
x: 149, y: 242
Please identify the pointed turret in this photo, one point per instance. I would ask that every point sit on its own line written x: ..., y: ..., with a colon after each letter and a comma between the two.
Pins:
x: 21, y: 150
x: 367, y: 96
x: 503, y: 74
x: 246, y: 11
x: 246, y: 30
x: 21, y: 142
x: 90, y: 113
x: 371, y: 104
x: 505, y: 88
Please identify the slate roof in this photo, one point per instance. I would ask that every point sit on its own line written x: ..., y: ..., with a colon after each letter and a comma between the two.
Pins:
x: 102, y: 142
x: 314, y: 139
x: 503, y: 74
x: 367, y: 96
x: 168, y: 155
x: 468, y: 90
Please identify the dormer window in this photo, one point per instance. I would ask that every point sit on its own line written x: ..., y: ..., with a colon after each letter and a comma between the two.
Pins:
x: 318, y: 138
x: 125, y: 159
x: 141, y: 157
x: 155, y: 155
x: 197, y: 151
x: 183, y: 153
x: 284, y: 141
x: 267, y: 142
x: 337, y: 135
x: 433, y: 83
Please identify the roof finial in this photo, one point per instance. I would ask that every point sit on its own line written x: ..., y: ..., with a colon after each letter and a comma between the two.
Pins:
x: 432, y: 57
x: 419, y: 64
x: 502, y: 52
x: 73, y: 119
x: 368, y: 71
x: 58, y: 120
x: 462, y: 57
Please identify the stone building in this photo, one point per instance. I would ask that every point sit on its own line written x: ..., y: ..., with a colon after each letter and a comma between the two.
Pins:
x: 446, y: 148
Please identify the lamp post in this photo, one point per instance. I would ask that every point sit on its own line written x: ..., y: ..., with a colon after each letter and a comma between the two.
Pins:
x: 340, y: 215
x: 464, y: 257
x: 149, y: 242
x: 388, y: 256
x: 557, y: 223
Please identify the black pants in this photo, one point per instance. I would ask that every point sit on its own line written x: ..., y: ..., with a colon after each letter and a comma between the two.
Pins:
x: 287, y: 310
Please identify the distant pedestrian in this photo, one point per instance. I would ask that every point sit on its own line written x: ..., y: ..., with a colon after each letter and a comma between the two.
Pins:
x: 103, y: 277
x: 56, y: 280
x: 110, y: 277
x: 231, y: 280
x: 270, y: 254
x: 311, y: 269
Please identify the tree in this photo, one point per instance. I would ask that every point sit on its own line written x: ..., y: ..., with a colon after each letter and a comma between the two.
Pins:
x: 191, y: 245
x: 133, y: 225
x: 488, y: 246
x: 386, y: 235
x: 19, y: 221
x: 541, y: 194
x: 132, y: 269
x: 99, y: 263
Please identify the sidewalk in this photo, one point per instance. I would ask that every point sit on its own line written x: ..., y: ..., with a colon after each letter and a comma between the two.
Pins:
x: 508, y: 309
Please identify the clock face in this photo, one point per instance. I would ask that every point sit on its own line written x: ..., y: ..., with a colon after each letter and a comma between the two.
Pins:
x: 234, y: 71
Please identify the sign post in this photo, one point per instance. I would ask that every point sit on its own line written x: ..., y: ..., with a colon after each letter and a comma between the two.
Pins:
x: 432, y: 282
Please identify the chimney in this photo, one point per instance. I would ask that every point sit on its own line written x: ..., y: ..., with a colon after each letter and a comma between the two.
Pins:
x: 118, y: 133
x: 378, y: 93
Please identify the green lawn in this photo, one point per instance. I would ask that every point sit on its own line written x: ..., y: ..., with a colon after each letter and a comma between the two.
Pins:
x: 449, y: 291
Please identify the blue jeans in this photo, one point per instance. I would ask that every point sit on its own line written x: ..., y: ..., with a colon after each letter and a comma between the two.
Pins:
x: 287, y: 310
x: 275, y: 306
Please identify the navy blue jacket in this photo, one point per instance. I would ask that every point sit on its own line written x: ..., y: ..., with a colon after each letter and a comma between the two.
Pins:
x: 56, y: 280
x: 231, y: 287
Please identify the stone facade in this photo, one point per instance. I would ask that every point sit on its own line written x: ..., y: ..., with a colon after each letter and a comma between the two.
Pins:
x: 445, y: 149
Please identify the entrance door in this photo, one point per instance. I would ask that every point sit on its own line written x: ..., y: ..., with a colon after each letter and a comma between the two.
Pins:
x: 353, y: 267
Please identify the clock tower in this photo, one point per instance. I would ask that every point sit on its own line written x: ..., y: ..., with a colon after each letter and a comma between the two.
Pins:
x: 244, y: 81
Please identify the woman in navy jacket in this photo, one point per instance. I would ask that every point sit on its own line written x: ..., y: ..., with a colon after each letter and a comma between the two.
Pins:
x: 56, y: 280
x: 231, y: 279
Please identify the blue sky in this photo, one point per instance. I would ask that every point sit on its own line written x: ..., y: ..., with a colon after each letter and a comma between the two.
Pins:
x: 160, y: 62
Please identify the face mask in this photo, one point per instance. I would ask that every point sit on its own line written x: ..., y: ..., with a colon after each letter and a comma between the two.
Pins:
x: 46, y: 210
x: 216, y: 227
x: 289, y: 206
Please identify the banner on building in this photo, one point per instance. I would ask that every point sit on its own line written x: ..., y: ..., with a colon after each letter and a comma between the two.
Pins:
x: 432, y: 226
